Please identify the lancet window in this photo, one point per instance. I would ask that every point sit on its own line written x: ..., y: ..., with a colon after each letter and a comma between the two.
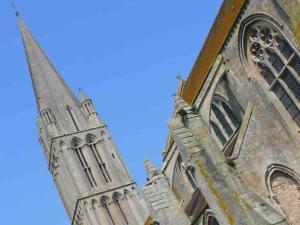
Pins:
x: 78, y: 148
x: 224, y: 122
x: 93, y: 145
x: 104, y: 201
x: 285, y: 188
x: 48, y: 116
x: 88, y: 107
x: 117, y: 197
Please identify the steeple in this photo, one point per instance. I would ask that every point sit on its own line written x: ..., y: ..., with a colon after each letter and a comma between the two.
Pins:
x: 82, y: 157
x: 50, y: 89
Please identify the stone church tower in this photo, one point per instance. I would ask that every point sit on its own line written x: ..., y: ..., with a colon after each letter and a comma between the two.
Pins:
x: 91, y: 177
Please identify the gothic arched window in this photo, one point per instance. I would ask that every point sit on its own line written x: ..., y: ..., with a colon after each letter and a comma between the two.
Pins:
x: 278, y: 64
x: 93, y: 145
x: 218, y: 133
x: 209, y: 218
x: 104, y: 202
x: 223, y: 120
x: 77, y: 145
x: 117, y: 197
x: 285, y: 189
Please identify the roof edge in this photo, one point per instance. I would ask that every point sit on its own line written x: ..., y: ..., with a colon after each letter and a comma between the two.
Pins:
x: 213, y: 44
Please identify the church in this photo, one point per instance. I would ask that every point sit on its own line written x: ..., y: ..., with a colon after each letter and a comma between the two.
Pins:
x: 232, y: 156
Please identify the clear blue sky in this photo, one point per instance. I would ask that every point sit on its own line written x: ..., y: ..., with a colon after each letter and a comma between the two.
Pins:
x: 124, y: 53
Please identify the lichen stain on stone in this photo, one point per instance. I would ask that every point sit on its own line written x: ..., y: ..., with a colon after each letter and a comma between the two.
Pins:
x: 219, y: 197
x: 292, y: 8
x: 297, y: 27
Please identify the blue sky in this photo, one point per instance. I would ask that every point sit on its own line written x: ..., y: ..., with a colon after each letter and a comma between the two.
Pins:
x: 124, y: 53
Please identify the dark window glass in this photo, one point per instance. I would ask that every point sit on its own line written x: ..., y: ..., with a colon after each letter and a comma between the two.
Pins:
x: 293, y: 110
x: 266, y: 73
x: 275, y: 60
x: 284, y: 47
x: 279, y: 91
x: 286, y: 101
x: 279, y: 65
x: 222, y: 120
x: 296, y: 64
x: 292, y: 83
x: 218, y: 133
x: 230, y: 114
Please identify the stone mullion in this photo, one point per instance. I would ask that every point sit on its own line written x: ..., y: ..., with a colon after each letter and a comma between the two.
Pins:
x: 101, y: 163
x: 114, y: 212
x: 227, y: 118
x: 123, y: 213
x: 108, y: 214
x: 86, y: 167
x: 217, y: 122
x: 92, y: 164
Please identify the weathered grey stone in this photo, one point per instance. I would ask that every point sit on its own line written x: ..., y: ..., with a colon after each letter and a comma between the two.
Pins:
x: 92, y: 180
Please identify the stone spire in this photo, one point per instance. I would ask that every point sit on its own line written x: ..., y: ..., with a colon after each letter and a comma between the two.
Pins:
x: 49, y: 87
x: 82, y: 157
x: 150, y: 169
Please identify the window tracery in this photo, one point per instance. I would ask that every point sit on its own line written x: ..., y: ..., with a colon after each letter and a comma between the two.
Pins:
x: 226, y: 113
x: 224, y: 121
x: 278, y: 63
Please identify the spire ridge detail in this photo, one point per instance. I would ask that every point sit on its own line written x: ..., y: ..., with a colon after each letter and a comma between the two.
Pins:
x: 13, y: 5
x: 49, y: 87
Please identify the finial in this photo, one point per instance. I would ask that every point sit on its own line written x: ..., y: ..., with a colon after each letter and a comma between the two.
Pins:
x: 150, y: 169
x: 83, y: 95
x: 179, y: 77
x: 13, y: 5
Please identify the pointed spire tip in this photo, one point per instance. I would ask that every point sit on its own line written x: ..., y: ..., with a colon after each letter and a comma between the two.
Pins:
x: 13, y: 5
